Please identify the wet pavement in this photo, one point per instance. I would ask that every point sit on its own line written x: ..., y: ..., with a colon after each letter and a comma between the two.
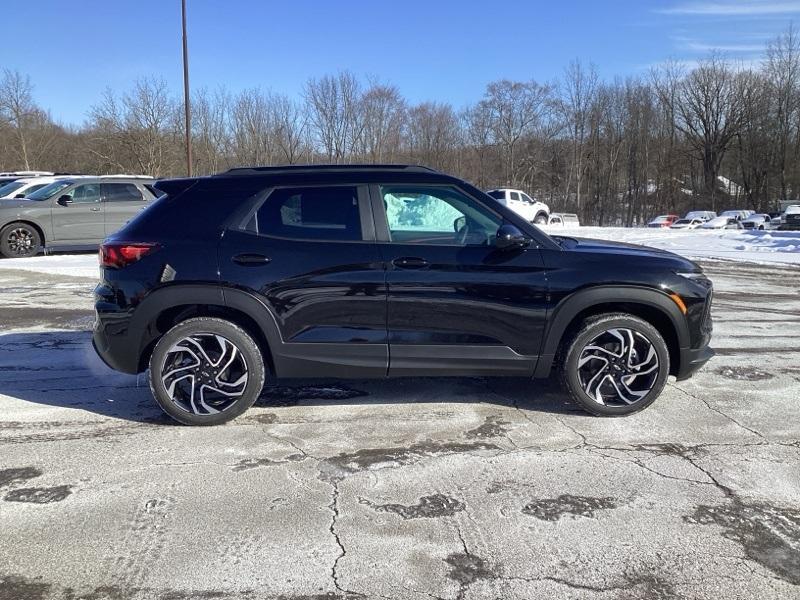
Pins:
x: 414, y: 488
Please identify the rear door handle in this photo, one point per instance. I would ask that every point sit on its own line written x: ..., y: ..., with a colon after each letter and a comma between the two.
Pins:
x: 410, y: 262
x: 251, y: 259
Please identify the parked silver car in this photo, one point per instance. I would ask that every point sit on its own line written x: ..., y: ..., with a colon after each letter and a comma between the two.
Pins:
x: 71, y: 213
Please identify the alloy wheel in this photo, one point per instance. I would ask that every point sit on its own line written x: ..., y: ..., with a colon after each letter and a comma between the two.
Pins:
x: 204, y: 374
x: 20, y: 241
x: 618, y: 367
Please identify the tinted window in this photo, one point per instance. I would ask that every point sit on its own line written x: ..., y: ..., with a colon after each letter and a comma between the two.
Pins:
x: 498, y: 194
x: 437, y: 215
x: 317, y: 213
x: 10, y: 188
x: 85, y: 194
x: 121, y: 192
x: 514, y: 195
x: 49, y: 191
x: 526, y: 198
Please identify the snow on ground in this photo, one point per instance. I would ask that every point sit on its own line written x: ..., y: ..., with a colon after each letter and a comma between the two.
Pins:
x: 763, y: 247
x: 75, y: 265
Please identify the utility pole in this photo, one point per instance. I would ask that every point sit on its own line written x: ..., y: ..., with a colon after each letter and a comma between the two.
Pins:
x: 186, y: 105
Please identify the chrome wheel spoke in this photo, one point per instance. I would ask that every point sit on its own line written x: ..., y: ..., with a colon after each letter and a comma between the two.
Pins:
x: 618, y: 367
x: 204, y: 374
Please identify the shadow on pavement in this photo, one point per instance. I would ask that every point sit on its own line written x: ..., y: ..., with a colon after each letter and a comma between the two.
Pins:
x: 61, y: 369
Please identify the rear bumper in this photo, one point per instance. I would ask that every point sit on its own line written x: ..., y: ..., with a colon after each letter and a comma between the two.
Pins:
x: 117, y: 350
x: 692, y: 360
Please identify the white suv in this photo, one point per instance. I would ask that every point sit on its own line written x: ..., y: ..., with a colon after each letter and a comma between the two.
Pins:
x: 522, y: 204
x: 22, y: 187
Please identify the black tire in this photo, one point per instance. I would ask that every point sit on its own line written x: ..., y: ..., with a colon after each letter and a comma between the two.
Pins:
x: 540, y: 219
x: 198, y: 340
x: 19, y: 240
x: 612, y: 392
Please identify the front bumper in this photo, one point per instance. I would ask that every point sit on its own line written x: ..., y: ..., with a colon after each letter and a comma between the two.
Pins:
x: 693, y: 359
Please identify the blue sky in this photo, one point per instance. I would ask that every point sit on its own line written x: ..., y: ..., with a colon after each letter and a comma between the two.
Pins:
x: 445, y: 50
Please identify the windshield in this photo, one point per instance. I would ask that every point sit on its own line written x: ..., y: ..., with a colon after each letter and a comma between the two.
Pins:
x: 49, y: 191
x: 718, y: 221
x: 9, y: 188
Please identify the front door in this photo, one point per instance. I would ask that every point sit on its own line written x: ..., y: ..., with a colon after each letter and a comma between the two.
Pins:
x: 78, y: 214
x: 457, y: 305
x: 308, y: 253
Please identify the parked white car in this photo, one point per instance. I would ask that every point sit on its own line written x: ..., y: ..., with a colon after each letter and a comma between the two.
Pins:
x: 564, y: 220
x: 22, y: 187
x: 760, y: 221
x: 722, y: 222
x: 522, y: 204
x: 737, y: 214
x: 703, y: 215
x: 687, y: 223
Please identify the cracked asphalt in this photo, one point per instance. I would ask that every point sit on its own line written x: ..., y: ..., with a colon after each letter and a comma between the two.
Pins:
x: 417, y: 488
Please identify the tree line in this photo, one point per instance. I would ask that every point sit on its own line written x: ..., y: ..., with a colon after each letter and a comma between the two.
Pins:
x: 709, y: 136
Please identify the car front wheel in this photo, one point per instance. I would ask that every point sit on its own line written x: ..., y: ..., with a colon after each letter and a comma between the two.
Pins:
x: 615, y: 364
x: 540, y: 219
x: 19, y: 240
x: 206, y: 371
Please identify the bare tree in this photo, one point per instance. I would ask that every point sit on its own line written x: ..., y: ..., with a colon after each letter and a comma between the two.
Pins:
x: 710, y: 114
x: 383, y: 113
x: 516, y: 110
x: 333, y: 108
x: 578, y: 92
x: 783, y: 75
x: 20, y: 112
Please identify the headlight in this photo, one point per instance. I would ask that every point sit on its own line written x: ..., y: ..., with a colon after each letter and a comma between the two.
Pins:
x: 694, y: 275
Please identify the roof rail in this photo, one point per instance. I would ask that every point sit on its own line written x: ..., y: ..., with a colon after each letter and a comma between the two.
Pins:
x: 329, y: 167
x: 123, y: 176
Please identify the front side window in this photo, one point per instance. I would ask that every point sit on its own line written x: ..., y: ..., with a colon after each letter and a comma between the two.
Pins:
x: 437, y: 215
x: 121, y: 192
x: 49, y: 191
x: 313, y: 213
x: 85, y: 194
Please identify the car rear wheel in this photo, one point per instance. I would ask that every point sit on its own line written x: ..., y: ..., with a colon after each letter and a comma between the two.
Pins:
x: 615, y: 364
x: 19, y: 240
x: 206, y: 371
x: 540, y: 219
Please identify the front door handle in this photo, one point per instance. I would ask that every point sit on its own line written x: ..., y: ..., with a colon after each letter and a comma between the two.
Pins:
x: 251, y: 259
x: 410, y: 262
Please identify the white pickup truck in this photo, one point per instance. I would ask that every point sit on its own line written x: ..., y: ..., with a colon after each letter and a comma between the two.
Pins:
x: 522, y: 204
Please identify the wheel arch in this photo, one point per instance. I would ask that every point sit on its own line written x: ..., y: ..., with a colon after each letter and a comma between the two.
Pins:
x: 39, y: 229
x: 165, y: 308
x: 650, y: 305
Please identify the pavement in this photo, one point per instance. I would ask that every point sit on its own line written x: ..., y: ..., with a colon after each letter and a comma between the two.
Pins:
x: 415, y: 488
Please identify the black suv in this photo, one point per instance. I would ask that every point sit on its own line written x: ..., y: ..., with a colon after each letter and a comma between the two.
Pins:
x: 382, y: 271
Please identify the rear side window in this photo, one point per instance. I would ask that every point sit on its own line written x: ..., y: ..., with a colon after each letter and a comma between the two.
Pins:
x: 314, y: 213
x: 121, y: 192
x: 498, y: 194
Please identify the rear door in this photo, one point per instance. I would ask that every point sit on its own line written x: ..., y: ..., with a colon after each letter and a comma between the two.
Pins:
x: 78, y: 214
x: 308, y: 253
x: 121, y: 202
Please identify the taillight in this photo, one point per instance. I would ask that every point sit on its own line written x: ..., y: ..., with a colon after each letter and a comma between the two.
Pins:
x: 115, y: 255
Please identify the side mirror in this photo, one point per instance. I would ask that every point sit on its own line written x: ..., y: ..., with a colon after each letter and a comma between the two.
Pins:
x: 64, y: 200
x: 509, y: 237
x: 459, y: 223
